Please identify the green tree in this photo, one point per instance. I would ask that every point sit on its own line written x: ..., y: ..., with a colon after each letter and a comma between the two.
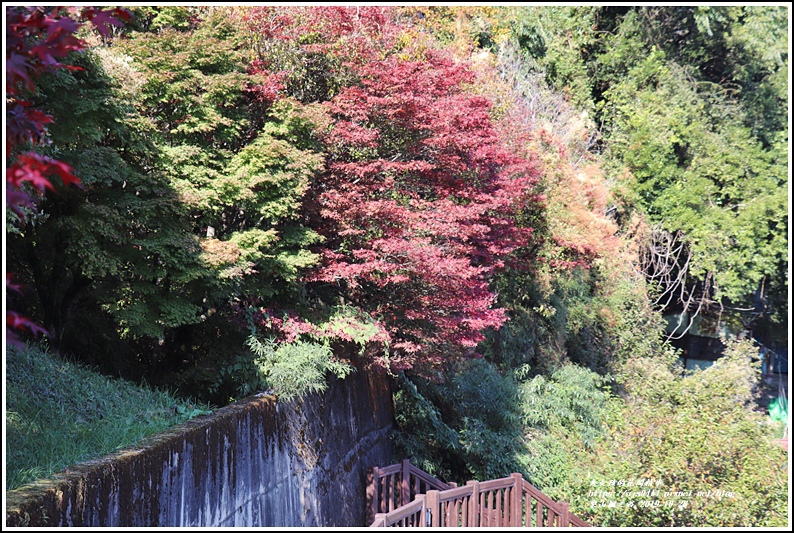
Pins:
x: 691, y: 102
x: 191, y: 199
x: 699, y: 171
x: 119, y: 240
x: 232, y: 161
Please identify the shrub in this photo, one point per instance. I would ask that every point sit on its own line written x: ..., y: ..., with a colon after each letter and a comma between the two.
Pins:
x: 696, y: 435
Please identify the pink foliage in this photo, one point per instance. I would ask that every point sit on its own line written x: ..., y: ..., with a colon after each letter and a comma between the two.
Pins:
x: 416, y: 229
x: 271, y: 85
x: 350, y: 32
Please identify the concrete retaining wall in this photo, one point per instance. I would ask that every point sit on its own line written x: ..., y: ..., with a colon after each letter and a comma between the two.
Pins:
x: 257, y: 462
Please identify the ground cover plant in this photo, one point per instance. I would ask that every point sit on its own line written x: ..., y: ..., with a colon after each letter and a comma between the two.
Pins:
x: 59, y: 413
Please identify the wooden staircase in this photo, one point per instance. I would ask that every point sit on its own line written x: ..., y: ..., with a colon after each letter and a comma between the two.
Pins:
x: 402, y: 495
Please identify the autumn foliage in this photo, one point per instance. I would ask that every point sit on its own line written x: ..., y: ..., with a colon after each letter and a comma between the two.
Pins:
x: 417, y: 201
x: 348, y: 161
x: 340, y: 170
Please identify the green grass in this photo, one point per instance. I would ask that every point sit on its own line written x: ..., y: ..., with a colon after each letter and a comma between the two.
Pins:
x: 59, y: 414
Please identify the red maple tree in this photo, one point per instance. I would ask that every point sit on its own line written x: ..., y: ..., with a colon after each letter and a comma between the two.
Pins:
x: 419, y: 199
x: 418, y: 205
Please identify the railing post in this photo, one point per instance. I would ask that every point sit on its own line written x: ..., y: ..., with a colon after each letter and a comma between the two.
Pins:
x: 474, y: 504
x: 432, y: 503
x: 379, y: 520
x: 422, y: 522
x: 405, y: 487
x: 387, y: 496
x: 565, y: 519
x: 372, y: 493
x: 516, y: 511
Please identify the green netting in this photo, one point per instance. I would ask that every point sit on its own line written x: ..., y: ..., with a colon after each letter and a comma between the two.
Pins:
x: 778, y: 409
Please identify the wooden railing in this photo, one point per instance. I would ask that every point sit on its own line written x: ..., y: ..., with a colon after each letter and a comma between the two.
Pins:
x: 507, y: 502
x: 390, y: 487
x: 409, y: 515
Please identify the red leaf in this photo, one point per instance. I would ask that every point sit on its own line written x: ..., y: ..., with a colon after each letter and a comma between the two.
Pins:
x: 102, y: 20
x: 16, y: 200
x: 13, y: 286
x: 17, y: 321
x: 17, y: 68
x: 36, y: 169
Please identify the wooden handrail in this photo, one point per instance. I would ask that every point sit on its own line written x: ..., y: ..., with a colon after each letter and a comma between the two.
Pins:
x: 500, y: 483
x: 498, y: 502
x: 430, y: 480
x: 578, y: 522
x: 409, y: 515
x: 391, y: 469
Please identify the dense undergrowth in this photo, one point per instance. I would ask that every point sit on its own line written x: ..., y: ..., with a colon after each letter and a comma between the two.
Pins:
x: 696, y: 438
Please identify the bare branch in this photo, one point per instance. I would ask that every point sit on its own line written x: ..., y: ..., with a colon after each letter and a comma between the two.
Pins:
x: 664, y: 261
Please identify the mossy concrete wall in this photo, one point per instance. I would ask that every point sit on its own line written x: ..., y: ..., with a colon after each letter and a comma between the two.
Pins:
x: 257, y: 462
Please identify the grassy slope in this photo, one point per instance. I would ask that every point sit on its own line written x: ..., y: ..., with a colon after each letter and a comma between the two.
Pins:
x: 59, y: 414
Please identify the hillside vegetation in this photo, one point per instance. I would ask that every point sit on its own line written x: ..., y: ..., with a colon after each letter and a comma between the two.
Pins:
x: 496, y: 205
x: 59, y: 413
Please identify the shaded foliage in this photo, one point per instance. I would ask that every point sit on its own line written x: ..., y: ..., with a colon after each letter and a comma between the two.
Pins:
x: 480, y: 423
x: 36, y: 39
x: 120, y: 241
